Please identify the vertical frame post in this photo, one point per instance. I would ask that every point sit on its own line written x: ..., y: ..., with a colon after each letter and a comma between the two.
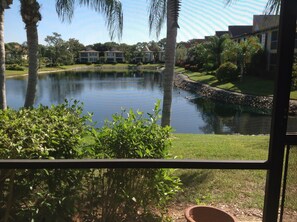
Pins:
x: 286, y: 44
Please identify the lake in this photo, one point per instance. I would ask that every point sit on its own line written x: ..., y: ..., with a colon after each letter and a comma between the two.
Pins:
x: 106, y: 93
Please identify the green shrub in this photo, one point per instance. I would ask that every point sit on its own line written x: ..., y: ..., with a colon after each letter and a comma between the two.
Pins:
x: 129, y: 191
x: 41, y: 133
x: 227, y: 72
x: 61, y: 132
x: 15, y: 67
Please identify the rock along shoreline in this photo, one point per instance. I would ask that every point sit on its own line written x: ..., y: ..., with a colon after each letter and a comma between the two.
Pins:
x: 260, y: 102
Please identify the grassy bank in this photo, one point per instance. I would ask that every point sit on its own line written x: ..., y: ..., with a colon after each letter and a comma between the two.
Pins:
x: 117, y: 67
x: 250, y: 85
x: 239, y: 188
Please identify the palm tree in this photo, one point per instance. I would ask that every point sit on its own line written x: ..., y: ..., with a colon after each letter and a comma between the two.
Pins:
x: 112, y: 10
x: 4, y: 4
x: 273, y: 7
x: 31, y: 16
x: 157, y: 12
x: 215, y: 47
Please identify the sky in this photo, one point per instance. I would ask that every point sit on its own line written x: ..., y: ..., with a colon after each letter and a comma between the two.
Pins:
x: 198, y: 18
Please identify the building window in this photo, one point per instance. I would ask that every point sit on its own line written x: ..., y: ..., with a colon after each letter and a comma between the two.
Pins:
x: 83, y: 54
x: 274, y: 36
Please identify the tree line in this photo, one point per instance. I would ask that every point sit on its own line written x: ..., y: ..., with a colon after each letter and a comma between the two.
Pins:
x: 58, y: 51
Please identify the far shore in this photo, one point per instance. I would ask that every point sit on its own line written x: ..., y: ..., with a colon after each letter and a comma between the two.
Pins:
x: 117, y: 67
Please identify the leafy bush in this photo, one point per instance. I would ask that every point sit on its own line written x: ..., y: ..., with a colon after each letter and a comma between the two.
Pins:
x: 15, y: 67
x: 61, y: 132
x: 41, y: 133
x: 227, y: 72
x: 126, y: 192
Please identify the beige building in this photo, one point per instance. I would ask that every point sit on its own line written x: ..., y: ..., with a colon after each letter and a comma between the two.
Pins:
x: 88, y: 56
x: 114, y: 56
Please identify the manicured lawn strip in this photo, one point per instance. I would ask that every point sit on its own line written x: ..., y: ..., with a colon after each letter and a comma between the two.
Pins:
x: 117, y: 67
x: 219, y: 147
x: 250, y: 85
x: 239, y: 188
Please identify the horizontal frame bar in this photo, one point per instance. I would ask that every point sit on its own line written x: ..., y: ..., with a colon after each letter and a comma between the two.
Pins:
x: 291, y: 139
x: 131, y: 163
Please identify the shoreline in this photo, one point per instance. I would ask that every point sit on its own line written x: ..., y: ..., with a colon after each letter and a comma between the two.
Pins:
x: 260, y: 102
x: 123, y: 67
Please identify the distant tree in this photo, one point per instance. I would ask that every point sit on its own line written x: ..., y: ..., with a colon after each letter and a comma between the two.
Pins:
x: 242, y: 53
x: 16, y: 52
x: 111, y: 46
x: 55, y: 48
x: 74, y: 46
x: 197, y: 55
x: 181, y: 54
x: 61, y: 52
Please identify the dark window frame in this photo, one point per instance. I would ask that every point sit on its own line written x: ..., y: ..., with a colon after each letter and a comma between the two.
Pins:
x: 278, y: 139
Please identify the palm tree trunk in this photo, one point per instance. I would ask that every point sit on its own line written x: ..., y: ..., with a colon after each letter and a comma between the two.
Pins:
x: 3, y: 104
x: 169, y: 66
x: 32, y: 39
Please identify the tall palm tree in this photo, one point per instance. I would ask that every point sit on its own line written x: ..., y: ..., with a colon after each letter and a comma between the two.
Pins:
x: 112, y: 10
x: 158, y: 10
x: 31, y: 16
x: 4, y: 4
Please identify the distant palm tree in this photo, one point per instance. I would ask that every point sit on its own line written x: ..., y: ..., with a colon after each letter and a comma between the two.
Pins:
x: 112, y: 10
x: 241, y: 53
x: 158, y: 11
x: 215, y: 47
x: 4, y: 4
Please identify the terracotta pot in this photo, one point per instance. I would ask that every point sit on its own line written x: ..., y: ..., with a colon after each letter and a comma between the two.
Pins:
x: 207, y: 214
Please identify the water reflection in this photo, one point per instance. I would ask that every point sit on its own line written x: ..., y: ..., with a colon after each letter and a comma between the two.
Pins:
x: 105, y: 94
x: 222, y: 118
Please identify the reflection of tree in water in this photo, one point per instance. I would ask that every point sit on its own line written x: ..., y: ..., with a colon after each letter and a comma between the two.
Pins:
x: 225, y: 118
x: 71, y: 84
x: 63, y: 86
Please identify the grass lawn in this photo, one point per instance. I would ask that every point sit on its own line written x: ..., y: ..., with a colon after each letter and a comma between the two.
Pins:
x: 118, y: 67
x: 239, y: 188
x: 250, y: 85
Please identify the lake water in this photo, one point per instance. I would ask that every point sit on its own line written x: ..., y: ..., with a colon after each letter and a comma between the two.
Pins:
x: 106, y: 93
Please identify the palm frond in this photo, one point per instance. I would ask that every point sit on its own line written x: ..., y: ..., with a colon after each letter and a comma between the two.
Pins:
x: 272, y: 7
x: 111, y: 9
x: 65, y: 9
x: 157, y: 13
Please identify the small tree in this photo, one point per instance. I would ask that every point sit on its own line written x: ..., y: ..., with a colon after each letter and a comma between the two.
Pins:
x: 241, y: 53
